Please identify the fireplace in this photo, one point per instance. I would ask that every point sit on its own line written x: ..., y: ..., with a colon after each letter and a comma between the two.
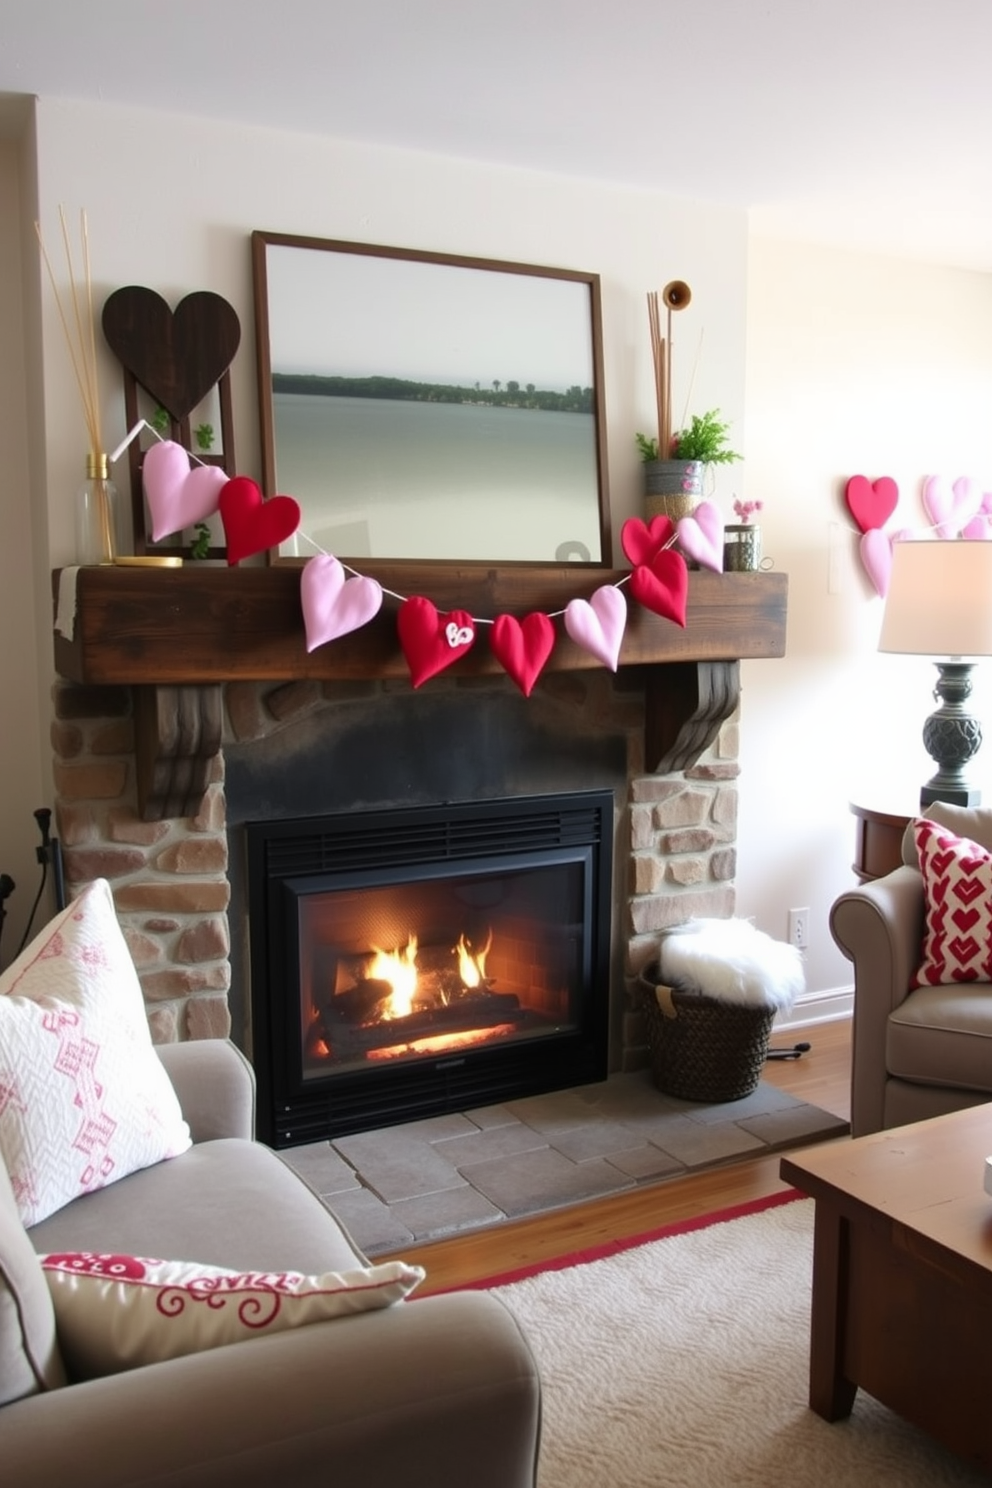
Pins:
x: 411, y: 962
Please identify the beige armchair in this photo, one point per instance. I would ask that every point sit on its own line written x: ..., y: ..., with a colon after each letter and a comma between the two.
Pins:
x: 916, y: 1052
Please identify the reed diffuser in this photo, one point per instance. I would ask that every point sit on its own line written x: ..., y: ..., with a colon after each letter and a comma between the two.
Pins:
x: 96, y: 515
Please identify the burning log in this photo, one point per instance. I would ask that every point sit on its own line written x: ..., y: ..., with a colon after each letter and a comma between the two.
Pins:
x: 474, y: 1011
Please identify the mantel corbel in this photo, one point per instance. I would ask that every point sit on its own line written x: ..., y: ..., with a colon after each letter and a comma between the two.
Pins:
x: 177, y: 738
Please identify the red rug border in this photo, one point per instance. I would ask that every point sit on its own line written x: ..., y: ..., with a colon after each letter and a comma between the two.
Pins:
x: 630, y: 1242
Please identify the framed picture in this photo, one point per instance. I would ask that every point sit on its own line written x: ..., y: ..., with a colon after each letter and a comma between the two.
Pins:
x: 431, y: 407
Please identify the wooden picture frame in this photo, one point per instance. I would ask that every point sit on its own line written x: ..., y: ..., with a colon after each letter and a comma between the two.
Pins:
x: 429, y: 406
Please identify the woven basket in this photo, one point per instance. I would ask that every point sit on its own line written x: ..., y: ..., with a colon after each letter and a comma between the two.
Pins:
x: 705, y: 1050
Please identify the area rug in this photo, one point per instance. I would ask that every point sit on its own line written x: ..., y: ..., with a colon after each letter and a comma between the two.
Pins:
x: 682, y: 1362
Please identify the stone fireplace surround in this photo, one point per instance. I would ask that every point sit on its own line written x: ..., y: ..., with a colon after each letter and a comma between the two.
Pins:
x: 324, y: 744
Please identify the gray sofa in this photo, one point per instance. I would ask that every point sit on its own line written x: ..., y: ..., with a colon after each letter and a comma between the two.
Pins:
x: 431, y: 1391
x: 916, y: 1052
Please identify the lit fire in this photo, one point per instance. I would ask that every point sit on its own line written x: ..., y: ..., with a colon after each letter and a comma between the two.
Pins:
x: 472, y: 964
x: 444, y: 1043
x: 399, y: 969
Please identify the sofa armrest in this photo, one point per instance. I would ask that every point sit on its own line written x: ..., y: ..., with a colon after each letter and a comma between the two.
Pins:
x: 440, y: 1390
x: 215, y: 1085
x: 879, y: 927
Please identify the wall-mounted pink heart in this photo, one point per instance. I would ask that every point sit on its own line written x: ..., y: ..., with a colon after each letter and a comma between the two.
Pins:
x: 701, y: 536
x: 979, y: 529
x: 522, y: 647
x: 178, y: 495
x: 871, y: 503
x: 333, y: 605
x: 664, y: 586
x: 252, y: 524
x: 876, y: 555
x: 950, y: 505
x: 431, y: 640
x: 598, y: 624
x: 642, y: 540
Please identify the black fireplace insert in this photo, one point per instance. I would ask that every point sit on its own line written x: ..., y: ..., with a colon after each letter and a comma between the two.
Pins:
x: 421, y: 960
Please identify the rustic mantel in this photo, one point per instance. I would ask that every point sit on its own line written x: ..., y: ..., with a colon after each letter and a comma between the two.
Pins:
x: 175, y: 635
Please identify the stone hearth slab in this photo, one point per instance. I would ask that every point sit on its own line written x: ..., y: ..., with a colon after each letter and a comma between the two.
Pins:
x: 544, y: 1179
x: 446, y: 1174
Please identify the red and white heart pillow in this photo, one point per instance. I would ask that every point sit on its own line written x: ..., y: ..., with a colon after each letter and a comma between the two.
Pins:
x: 957, y: 881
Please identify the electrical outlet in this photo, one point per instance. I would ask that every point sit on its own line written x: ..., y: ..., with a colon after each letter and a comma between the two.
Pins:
x: 799, y: 928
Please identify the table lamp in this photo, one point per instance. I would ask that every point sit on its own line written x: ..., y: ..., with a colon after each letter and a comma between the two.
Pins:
x: 939, y: 604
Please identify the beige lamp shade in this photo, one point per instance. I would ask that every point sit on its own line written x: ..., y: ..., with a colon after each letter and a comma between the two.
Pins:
x: 939, y: 600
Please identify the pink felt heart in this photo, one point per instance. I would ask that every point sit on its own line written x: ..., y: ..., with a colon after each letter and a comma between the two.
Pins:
x: 333, y: 605
x: 950, y: 505
x: 178, y: 495
x: 522, y: 647
x: 876, y: 555
x: 431, y: 641
x: 642, y: 540
x: 979, y: 529
x: 701, y: 536
x: 871, y: 503
x: 664, y: 587
x: 598, y: 624
x: 252, y: 524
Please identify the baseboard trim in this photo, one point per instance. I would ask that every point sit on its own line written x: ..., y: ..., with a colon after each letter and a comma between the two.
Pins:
x: 827, y: 1006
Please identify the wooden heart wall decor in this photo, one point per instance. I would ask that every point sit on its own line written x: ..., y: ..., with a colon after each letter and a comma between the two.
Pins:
x: 176, y: 355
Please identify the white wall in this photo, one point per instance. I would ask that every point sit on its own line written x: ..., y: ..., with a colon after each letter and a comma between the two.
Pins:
x: 24, y: 749
x: 855, y: 365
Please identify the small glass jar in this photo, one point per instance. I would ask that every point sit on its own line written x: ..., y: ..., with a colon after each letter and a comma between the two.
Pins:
x: 97, y: 514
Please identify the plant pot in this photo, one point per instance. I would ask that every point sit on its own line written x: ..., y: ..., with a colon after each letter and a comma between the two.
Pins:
x: 741, y: 548
x: 672, y: 488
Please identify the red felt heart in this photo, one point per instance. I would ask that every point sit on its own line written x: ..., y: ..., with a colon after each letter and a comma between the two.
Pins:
x: 871, y: 503
x: 523, y: 646
x: 664, y: 587
x: 252, y: 524
x: 641, y: 540
x: 177, y: 355
x: 432, y: 641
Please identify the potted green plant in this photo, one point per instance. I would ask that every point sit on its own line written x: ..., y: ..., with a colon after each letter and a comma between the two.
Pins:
x: 673, y: 485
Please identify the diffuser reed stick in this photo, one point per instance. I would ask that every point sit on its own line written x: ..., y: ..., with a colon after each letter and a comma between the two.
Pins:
x: 79, y: 329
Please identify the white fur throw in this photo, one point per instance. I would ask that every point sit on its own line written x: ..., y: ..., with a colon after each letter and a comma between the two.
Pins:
x: 733, y: 962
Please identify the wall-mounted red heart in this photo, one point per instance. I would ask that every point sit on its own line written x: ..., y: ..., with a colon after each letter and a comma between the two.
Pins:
x: 431, y: 640
x: 252, y: 524
x: 176, y: 355
x: 871, y: 503
x: 664, y: 586
x: 522, y: 647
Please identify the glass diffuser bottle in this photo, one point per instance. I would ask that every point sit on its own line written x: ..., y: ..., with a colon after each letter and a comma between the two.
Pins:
x: 97, y: 514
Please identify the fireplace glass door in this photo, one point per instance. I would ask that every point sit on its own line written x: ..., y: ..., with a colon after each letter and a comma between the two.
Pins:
x: 392, y: 990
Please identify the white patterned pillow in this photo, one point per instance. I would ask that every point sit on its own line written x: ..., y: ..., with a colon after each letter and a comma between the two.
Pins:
x: 115, y: 1312
x: 84, y: 1098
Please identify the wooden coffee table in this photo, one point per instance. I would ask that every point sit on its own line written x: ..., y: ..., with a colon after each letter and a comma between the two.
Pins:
x: 902, y: 1275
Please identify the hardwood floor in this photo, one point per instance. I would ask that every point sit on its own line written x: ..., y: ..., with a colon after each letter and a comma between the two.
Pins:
x: 821, y: 1077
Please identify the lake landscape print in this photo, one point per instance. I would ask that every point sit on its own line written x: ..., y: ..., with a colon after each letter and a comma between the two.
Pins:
x: 433, y: 409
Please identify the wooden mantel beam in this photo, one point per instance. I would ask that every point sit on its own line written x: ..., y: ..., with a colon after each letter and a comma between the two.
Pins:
x: 176, y: 635
x: 213, y: 624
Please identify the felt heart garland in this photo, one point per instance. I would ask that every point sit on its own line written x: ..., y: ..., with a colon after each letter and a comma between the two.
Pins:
x: 333, y: 605
x: 431, y: 640
x: 701, y: 536
x: 642, y: 540
x: 523, y: 646
x: 663, y: 586
x: 179, y: 495
x: 252, y: 524
x: 598, y: 624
